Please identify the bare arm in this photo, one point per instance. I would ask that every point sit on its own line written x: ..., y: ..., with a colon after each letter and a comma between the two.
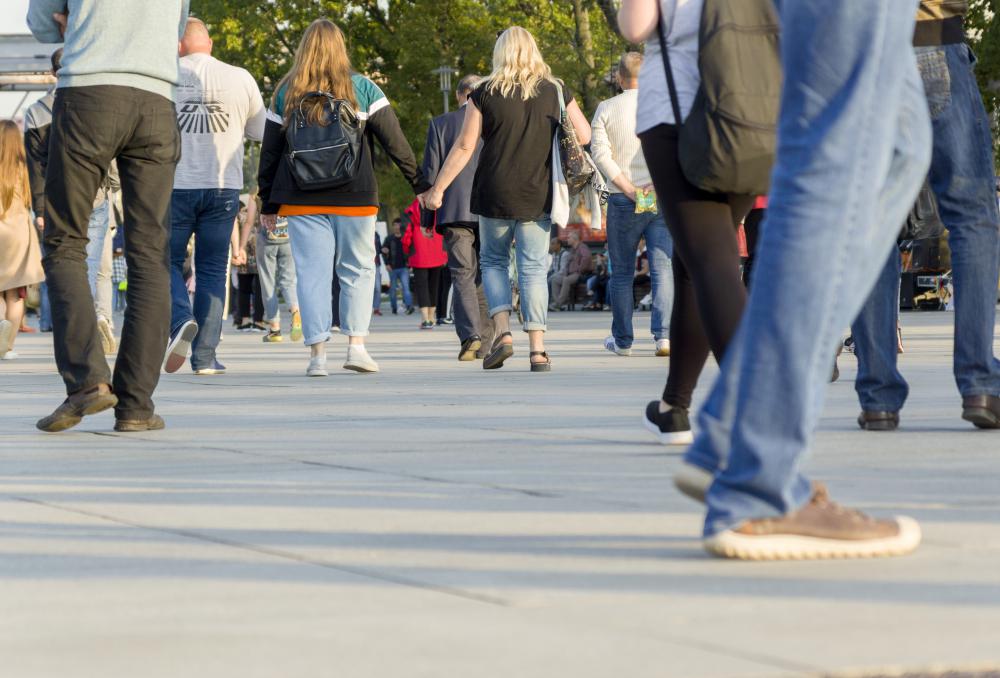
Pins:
x: 637, y: 18
x: 458, y: 157
x: 579, y: 121
x: 248, y: 223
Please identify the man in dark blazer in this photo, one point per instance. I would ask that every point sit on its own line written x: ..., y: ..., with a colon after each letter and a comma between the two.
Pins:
x: 460, y: 229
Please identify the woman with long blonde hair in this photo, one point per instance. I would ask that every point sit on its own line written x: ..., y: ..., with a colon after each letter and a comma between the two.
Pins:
x: 331, y: 230
x: 20, y: 255
x: 516, y: 111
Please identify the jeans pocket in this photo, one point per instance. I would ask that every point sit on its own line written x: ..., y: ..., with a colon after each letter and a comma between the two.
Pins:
x: 937, y: 80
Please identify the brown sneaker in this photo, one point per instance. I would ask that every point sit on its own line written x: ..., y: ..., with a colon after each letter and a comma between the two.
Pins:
x: 78, y: 406
x: 820, y: 529
x: 154, y: 423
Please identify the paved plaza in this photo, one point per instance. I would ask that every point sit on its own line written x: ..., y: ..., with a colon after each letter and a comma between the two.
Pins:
x: 439, y: 521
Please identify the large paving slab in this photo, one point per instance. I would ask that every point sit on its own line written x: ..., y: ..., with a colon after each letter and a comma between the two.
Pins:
x: 438, y: 520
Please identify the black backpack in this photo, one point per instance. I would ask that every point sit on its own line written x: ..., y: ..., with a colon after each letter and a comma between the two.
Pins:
x: 727, y: 143
x: 324, y: 156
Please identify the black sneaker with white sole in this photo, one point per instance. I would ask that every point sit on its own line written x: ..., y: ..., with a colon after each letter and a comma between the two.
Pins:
x: 672, y: 427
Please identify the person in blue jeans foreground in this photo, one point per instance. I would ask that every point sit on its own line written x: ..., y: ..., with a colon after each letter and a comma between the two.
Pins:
x: 218, y: 106
x: 963, y: 181
x: 853, y: 148
x: 618, y: 154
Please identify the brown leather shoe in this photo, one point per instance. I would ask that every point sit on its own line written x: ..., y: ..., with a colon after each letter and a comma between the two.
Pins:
x: 982, y: 410
x: 820, y: 529
x: 77, y: 406
x: 154, y: 423
x: 873, y: 420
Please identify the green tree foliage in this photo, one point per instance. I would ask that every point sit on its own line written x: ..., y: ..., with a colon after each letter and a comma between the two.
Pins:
x: 984, y: 31
x: 399, y: 42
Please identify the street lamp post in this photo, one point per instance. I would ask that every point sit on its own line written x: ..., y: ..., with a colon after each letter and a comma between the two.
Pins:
x: 444, y: 73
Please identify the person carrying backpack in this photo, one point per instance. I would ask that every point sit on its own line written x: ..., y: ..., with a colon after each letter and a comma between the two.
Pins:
x: 709, y: 295
x: 316, y: 169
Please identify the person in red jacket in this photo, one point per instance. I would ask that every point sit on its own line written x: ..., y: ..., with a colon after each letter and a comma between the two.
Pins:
x: 427, y: 261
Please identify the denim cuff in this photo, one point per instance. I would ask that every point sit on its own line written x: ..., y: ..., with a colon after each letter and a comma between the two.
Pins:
x: 500, y: 309
x: 532, y: 327
x: 318, y: 339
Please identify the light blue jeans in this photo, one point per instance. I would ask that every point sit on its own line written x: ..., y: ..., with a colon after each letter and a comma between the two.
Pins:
x: 531, y: 245
x: 324, y: 245
x: 625, y: 228
x: 97, y: 232
x: 854, y: 143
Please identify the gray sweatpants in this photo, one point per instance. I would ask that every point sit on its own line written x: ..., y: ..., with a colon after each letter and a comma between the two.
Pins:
x: 277, y: 272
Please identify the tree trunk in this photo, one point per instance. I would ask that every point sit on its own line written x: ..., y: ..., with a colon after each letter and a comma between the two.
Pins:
x: 585, y: 50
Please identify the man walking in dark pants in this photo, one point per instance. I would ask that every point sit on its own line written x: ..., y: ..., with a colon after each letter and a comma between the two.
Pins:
x: 460, y: 229
x: 114, y: 101
x: 395, y: 261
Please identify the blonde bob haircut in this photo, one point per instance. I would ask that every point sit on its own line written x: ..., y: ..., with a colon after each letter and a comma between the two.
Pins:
x: 517, y: 63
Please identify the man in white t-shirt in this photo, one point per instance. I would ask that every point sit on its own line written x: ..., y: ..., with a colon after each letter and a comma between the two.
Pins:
x: 218, y: 107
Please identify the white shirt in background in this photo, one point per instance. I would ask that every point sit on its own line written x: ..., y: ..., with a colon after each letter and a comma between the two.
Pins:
x: 614, y: 145
x: 682, y: 19
x: 218, y: 107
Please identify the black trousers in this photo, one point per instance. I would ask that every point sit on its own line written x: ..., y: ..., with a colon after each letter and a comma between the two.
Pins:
x: 426, y: 284
x: 472, y: 318
x: 335, y: 296
x: 709, y: 295
x: 250, y: 290
x: 444, y: 291
x: 92, y: 126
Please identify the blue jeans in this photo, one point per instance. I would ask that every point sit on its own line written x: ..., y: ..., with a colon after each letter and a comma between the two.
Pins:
x: 209, y: 215
x: 44, y: 309
x: 963, y: 180
x: 377, y: 299
x: 625, y: 228
x: 325, y: 245
x: 97, y: 231
x: 880, y: 386
x: 402, y: 277
x: 854, y: 147
x: 531, y: 244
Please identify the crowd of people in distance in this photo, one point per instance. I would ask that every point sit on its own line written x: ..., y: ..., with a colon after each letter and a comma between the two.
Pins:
x: 122, y: 201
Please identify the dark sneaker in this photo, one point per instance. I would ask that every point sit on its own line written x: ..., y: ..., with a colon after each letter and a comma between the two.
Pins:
x: 470, y: 348
x: 820, y: 529
x: 410, y: 310
x: 427, y: 325
x: 693, y: 481
x: 671, y: 427
x: 244, y: 327
x: 871, y: 420
x: 78, y: 406
x: 154, y: 423
x: 273, y: 337
x: 180, y: 344
x: 982, y: 410
x: 216, y: 368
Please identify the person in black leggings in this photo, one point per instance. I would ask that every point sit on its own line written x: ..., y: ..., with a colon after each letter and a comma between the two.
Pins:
x: 427, y: 286
x: 709, y: 294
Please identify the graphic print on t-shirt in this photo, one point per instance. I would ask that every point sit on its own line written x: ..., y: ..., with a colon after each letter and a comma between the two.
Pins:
x: 202, y: 116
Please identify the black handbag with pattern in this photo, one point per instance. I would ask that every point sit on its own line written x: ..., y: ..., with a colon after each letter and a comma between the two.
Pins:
x: 577, y: 169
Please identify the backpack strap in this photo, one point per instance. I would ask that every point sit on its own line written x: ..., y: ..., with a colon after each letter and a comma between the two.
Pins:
x: 671, y: 85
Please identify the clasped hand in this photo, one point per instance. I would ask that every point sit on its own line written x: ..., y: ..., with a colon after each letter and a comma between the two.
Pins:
x: 431, y: 199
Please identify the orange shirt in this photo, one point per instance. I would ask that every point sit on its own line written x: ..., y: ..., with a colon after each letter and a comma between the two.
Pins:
x: 342, y: 211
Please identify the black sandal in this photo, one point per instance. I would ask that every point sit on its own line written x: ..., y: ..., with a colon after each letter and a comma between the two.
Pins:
x: 541, y: 367
x: 500, y: 353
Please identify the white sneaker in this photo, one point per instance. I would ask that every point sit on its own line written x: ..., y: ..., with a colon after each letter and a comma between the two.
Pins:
x: 10, y: 355
x: 108, y: 342
x: 335, y: 329
x: 317, y: 367
x: 662, y: 348
x: 180, y: 344
x: 358, y: 360
x: 646, y: 300
x: 611, y: 345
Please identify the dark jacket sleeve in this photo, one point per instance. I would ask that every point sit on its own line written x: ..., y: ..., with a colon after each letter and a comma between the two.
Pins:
x: 271, y: 150
x: 385, y: 127
x: 36, y: 142
x: 432, y: 153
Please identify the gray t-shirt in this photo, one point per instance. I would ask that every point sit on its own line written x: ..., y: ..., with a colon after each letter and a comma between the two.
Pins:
x: 682, y: 19
x: 218, y: 106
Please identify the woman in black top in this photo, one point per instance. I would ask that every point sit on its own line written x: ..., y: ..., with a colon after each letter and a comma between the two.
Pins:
x: 516, y: 111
